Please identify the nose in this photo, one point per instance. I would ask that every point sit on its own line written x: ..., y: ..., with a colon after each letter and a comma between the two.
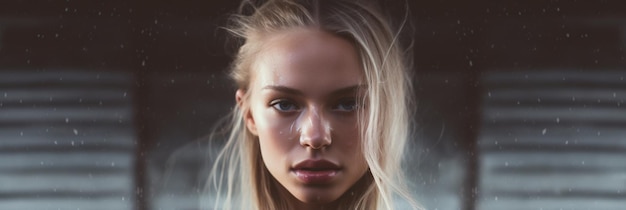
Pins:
x: 315, y: 131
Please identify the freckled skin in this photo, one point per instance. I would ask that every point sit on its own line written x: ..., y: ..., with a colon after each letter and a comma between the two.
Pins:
x: 316, y: 64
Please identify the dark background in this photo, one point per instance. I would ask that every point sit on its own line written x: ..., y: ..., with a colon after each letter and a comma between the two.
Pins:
x: 520, y: 104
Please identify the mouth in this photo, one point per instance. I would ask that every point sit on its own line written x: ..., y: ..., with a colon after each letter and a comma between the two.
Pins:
x: 316, y: 171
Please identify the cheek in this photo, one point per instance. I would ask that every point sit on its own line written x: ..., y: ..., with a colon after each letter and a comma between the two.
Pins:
x: 347, y: 139
x: 275, y: 132
x: 275, y: 140
x: 346, y: 131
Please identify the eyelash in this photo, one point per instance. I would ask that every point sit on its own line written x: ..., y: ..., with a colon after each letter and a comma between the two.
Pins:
x: 286, y: 105
x: 277, y: 104
x: 347, y: 101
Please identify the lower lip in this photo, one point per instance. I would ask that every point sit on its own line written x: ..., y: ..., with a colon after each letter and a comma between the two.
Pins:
x: 315, y: 177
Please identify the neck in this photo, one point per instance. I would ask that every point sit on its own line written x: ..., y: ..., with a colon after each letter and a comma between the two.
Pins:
x: 294, y: 203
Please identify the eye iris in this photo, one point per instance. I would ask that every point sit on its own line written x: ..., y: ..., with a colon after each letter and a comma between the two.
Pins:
x: 348, y: 105
x: 285, y: 106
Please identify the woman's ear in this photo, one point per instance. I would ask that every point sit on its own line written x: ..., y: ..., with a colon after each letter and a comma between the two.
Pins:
x: 244, y: 104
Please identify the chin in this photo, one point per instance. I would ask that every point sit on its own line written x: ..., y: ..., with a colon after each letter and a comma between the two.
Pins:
x: 317, y: 196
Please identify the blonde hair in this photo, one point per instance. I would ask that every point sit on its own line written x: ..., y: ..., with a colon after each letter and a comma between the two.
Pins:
x: 239, y: 179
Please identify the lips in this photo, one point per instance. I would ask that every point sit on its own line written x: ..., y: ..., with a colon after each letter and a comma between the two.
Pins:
x: 316, y: 171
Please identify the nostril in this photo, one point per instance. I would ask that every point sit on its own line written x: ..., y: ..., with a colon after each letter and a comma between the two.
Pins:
x: 315, y: 132
x: 314, y: 129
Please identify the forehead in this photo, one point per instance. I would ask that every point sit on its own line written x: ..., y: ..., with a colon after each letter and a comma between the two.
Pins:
x: 307, y: 59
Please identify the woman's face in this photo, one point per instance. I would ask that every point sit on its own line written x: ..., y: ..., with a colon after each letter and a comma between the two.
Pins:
x: 303, y: 108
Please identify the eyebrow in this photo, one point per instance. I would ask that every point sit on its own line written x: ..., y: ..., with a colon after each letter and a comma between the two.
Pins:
x: 292, y: 91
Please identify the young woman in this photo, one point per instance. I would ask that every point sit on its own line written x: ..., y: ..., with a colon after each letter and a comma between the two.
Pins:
x: 322, y: 115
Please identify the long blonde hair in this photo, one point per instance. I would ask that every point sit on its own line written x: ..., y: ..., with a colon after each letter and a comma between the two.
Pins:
x: 239, y: 179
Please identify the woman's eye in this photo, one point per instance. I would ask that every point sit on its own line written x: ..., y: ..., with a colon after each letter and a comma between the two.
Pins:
x: 346, y: 105
x: 284, y: 105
